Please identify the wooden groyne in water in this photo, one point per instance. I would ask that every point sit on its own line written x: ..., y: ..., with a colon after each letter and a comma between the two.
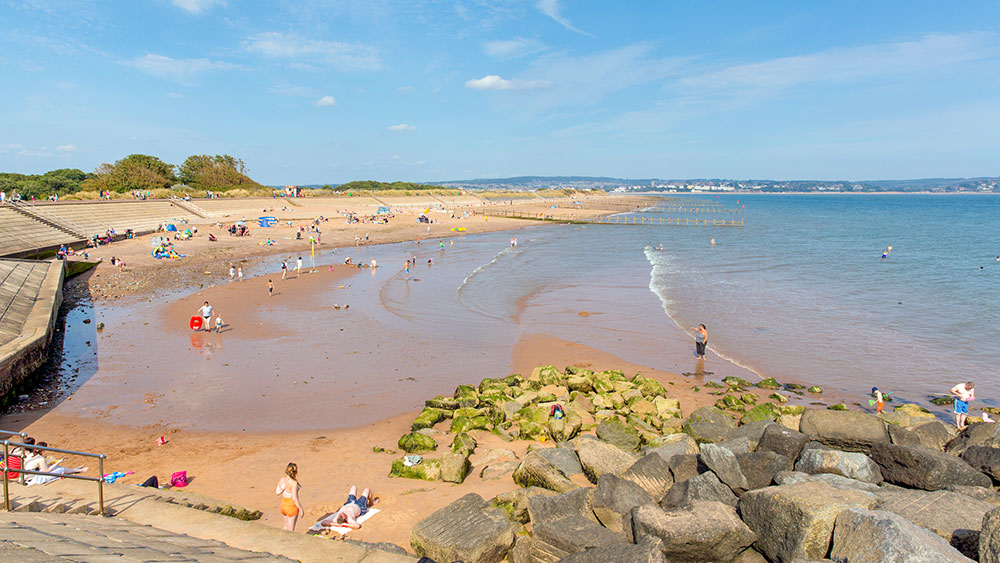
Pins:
x: 614, y: 219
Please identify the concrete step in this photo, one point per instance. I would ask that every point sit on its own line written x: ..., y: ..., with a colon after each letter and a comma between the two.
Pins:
x: 182, y: 514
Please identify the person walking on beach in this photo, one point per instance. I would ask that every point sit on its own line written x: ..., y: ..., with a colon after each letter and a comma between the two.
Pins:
x: 298, y: 266
x: 206, y: 316
x: 288, y: 487
x: 284, y: 269
x: 270, y: 288
x: 406, y: 269
x: 700, y: 340
x: 239, y: 273
x: 218, y: 324
x: 232, y: 274
x: 963, y: 393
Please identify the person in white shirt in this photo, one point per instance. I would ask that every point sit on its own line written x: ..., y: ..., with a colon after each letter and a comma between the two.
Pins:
x: 963, y: 393
x: 354, y: 508
x: 206, y: 316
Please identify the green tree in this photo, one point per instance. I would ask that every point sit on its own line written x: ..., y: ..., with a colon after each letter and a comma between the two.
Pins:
x: 219, y: 172
x: 134, y: 172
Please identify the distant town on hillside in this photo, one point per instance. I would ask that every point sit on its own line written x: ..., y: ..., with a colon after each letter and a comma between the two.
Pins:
x: 716, y: 185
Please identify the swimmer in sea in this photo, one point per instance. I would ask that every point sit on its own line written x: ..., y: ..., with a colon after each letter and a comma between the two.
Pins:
x: 885, y: 255
x: 713, y: 242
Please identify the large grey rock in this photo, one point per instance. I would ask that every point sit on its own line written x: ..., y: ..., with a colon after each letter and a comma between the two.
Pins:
x: 468, y: 529
x: 795, y: 522
x: 979, y: 493
x: 517, y: 501
x: 954, y: 517
x: 975, y: 435
x: 671, y: 445
x: 752, y: 431
x: 705, y: 486
x: 564, y: 459
x: 551, y: 508
x: 529, y: 550
x: 750, y: 555
x: 852, y: 465
x: 536, y: 470
x: 626, y: 553
x: 787, y: 442
x: 923, y: 468
x: 653, y: 474
x: 984, y: 459
x: 709, y: 424
x: 598, y: 457
x: 574, y: 534
x: 701, y: 531
x: 723, y: 463
x: 989, y: 538
x: 615, y: 498
x: 686, y: 466
x: 841, y: 482
x: 454, y: 467
x: 845, y: 430
x: 739, y: 445
x: 875, y: 536
x: 933, y: 434
x: 617, y: 433
x: 760, y: 467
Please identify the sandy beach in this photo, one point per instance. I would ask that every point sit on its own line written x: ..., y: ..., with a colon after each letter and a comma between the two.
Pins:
x: 319, y: 373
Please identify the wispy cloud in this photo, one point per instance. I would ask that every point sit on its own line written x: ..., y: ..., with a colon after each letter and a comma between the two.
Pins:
x: 552, y: 9
x: 175, y: 95
x: 277, y: 45
x: 66, y: 148
x: 850, y: 63
x: 494, y: 82
x: 513, y: 48
x: 402, y: 128
x: 295, y: 90
x: 178, y: 70
x: 197, y: 6
x: 325, y: 102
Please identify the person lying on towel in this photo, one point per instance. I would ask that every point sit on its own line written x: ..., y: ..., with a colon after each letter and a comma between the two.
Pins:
x: 354, y: 508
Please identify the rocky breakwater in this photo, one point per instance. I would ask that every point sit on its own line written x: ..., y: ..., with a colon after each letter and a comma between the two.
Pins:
x: 717, y: 486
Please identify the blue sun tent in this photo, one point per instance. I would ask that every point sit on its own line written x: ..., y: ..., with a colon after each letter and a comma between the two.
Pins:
x: 267, y: 221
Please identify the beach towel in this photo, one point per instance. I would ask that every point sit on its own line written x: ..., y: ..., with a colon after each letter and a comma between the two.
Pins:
x: 318, y: 526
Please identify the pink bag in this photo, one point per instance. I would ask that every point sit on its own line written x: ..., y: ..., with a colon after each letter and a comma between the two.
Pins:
x: 179, y: 479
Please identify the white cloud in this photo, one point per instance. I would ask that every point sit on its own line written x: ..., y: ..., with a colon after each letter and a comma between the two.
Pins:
x: 402, y: 127
x: 42, y: 152
x: 66, y: 148
x: 197, y: 6
x: 277, y: 45
x: 494, y: 82
x: 395, y: 157
x: 179, y: 70
x: 325, y: 101
x: 552, y: 9
x: 174, y: 95
x: 513, y: 48
x: 850, y: 63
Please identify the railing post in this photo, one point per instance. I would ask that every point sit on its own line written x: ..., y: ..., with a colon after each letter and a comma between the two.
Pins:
x: 6, y: 465
x: 100, y: 484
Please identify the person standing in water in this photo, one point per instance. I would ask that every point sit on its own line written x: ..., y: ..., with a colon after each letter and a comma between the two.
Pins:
x: 284, y: 269
x: 288, y: 487
x: 700, y: 340
x: 239, y: 273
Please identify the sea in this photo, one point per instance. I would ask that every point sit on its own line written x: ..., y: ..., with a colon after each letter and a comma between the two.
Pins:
x: 801, y: 292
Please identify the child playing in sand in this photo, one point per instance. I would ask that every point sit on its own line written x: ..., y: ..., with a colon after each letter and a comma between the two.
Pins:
x: 270, y: 288
x: 218, y: 324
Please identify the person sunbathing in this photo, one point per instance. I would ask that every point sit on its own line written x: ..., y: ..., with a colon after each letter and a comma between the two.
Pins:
x: 35, y: 461
x: 354, y: 508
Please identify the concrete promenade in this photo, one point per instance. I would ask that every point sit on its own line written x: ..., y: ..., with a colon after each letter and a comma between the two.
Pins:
x: 30, y: 296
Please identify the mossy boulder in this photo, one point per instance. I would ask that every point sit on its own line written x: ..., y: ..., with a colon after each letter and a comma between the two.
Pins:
x: 793, y: 410
x: 463, y: 444
x: 643, y: 407
x: 815, y: 389
x: 442, y: 402
x: 466, y: 396
x: 837, y: 407
x: 769, y: 383
x: 602, y: 384
x: 615, y: 432
x: 470, y: 412
x: 778, y: 397
x: 548, y: 375
x: 763, y: 411
x: 490, y: 385
x: 426, y: 470
x: 709, y: 424
x: 455, y: 467
x: 529, y: 430
x: 733, y: 381
x: 533, y: 413
x: 941, y: 401
x: 428, y: 417
x: 793, y: 387
x: 513, y: 380
x: 614, y: 374
x: 564, y: 429
x: 667, y: 408
x: 910, y: 409
x: 465, y: 423
x: 417, y: 443
x: 748, y: 398
x: 582, y: 384
x: 714, y: 385
x: 652, y: 388
x: 732, y: 402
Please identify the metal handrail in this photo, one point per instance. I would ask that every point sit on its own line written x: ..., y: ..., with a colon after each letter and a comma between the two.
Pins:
x: 23, y: 472
x: 52, y: 217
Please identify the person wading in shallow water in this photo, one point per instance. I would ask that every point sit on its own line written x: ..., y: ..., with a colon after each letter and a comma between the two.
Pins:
x: 700, y: 340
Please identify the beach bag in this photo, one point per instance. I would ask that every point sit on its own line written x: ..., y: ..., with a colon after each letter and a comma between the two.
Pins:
x: 179, y: 479
x: 151, y: 482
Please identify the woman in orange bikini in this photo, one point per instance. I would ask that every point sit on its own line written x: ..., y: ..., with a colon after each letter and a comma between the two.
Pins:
x: 288, y: 488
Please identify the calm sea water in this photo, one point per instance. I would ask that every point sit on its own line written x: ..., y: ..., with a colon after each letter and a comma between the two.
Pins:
x: 801, y: 293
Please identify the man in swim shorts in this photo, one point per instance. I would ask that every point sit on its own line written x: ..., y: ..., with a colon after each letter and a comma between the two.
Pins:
x: 354, y: 508
x: 963, y: 393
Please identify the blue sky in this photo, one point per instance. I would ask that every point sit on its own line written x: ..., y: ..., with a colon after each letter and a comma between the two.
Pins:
x: 329, y: 91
